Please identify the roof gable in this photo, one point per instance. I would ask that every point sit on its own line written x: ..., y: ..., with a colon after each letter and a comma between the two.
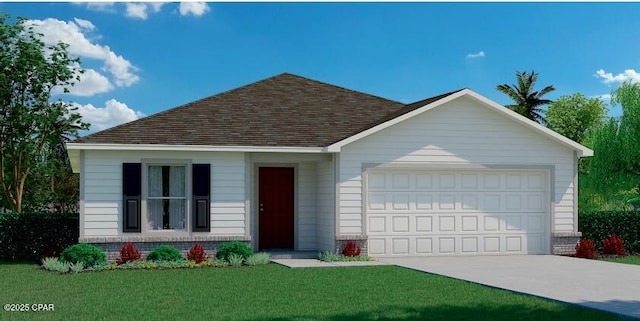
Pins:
x: 420, y: 107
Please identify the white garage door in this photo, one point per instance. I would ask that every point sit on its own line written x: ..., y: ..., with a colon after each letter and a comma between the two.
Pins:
x: 457, y: 212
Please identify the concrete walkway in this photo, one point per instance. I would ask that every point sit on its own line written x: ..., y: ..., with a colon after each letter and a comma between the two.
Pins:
x: 308, y: 263
x: 612, y: 287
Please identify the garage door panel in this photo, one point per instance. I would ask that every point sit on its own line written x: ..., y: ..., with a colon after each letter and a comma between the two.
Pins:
x: 400, y: 224
x: 377, y: 224
x: 469, y: 245
x: 470, y: 223
x: 446, y: 245
x: 446, y: 223
x: 491, y: 244
x: 446, y: 202
x: 424, y: 181
x: 424, y: 223
x: 457, y: 213
x: 400, y: 202
x: 400, y: 181
x: 424, y: 246
x: 400, y: 246
x: 377, y: 246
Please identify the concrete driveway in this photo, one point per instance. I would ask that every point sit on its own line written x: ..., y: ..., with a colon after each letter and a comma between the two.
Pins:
x: 611, y: 287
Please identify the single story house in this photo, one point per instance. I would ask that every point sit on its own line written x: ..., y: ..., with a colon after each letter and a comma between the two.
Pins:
x: 293, y: 163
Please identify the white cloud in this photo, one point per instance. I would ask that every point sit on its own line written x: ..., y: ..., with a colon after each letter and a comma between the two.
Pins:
x: 140, y: 10
x: 91, y: 83
x: 136, y: 10
x: 112, y: 114
x: 122, y: 72
x: 193, y: 8
x: 476, y: 55
x: 604, y: 97
x: 628, y: 75
x: 84, y: 24
x: 97, y: 6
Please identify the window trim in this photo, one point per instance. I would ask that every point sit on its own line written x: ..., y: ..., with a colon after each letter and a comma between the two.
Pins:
x: 145, y: 196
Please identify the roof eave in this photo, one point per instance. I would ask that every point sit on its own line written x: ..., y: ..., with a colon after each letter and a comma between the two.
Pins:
x: 194, y: 148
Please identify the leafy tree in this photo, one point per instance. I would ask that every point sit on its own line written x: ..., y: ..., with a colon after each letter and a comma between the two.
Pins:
x: 614, y: 169
x: 30, y: 121
x: 573, y: 116
x: 527, y: 101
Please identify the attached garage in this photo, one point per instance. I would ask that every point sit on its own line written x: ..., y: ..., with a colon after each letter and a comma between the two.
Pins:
x: 460, y: 175
x: 457, y: 212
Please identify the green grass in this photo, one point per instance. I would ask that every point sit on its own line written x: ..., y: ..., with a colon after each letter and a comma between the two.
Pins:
x: 626, y: 259
x: 269, y: 292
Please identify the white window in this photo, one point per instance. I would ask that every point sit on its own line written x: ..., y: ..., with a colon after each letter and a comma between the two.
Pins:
x: 167, y: 197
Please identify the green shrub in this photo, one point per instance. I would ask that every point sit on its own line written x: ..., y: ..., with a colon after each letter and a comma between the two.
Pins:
x: 165, y: 253
x: 261, y: 258
x: 51, y: 263
x: 88, y: 254
x: 328, y: 256
x: 33, y: 236
x: 598, y: 225
x: 234, y: 247
x: 235, y: 259
x: 55, y: 265
x: 76, y: 267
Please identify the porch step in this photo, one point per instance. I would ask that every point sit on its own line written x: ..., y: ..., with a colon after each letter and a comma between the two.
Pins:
x: 279, y: 255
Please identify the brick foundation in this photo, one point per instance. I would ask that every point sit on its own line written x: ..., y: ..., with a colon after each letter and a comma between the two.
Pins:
x: 112, y: 246
x: 564, y: 243
x: 361, y: 241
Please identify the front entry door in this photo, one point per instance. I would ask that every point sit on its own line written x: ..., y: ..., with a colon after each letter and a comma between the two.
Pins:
x: 275, y: 207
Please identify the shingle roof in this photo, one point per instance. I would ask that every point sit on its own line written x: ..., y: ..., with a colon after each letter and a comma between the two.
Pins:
x: 284, y: 110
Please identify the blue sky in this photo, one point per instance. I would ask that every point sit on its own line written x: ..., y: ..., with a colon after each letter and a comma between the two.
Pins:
x: 145, y: 58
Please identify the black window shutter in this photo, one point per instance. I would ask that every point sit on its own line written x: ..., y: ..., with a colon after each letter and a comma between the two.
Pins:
x: 131, y: 191
x: 201, y: 194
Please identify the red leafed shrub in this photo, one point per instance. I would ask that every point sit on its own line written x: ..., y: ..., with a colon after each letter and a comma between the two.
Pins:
x: 351, y: 249
x: 128, y: 253
x: 586, y: 249
x: 197, y: 254
x: 613, y: 245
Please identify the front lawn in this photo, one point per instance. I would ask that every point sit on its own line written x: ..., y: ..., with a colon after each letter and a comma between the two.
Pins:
x: 625, y: 259
x: 269, y: 292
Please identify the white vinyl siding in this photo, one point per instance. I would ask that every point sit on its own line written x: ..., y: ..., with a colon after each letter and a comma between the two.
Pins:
x: 325, y: 206
x: 305, y: 222
x: 102, y: 180
x: 460, y: 133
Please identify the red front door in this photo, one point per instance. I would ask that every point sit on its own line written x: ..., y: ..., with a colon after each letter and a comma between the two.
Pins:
x: 275, y: 207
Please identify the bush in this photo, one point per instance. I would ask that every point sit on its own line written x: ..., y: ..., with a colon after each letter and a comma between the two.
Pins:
x: 585, y: 249
x: 76, y: 267
x: 235, y: 259
x: 599, y: 225
x: 258, y: 259
x: 165, y: 253
x: 88, y: 254
x: 197, y: 254
x: 128, y: 253
x: 33, y: 236
x: 234, y: 247
x: 351, y: 249
x: 613, y: 245
x: 328, y: 256
x: 53, y: 264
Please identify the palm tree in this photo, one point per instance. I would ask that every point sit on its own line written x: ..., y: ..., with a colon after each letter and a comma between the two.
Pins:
x: 527, y: 101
